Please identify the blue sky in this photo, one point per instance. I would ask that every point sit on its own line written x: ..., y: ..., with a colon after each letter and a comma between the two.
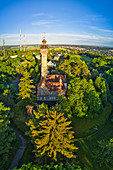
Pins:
x: 85, y: 22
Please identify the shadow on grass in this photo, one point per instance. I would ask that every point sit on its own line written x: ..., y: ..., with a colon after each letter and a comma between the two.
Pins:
x: 83, y: 154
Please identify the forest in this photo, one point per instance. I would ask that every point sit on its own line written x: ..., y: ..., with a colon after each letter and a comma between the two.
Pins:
x: 77, y: 132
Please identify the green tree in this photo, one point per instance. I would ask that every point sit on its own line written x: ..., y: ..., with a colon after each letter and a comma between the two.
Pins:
x: 52, y: 136
x: 109, y: 77
x: 25, y: 87
x: 65, y: 66
x: 9, y: 96
x: 75, y: 68
x: 6, y: 136
x: 63, y: 106
x: 104, y: 152
x: 94, y: 74
x: 83, y: 98
x: 100, y: 85
x: 52, y: 166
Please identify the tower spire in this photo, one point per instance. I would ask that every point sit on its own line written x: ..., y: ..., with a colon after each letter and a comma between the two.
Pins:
x: 44, y: 35
x: 44, y: 42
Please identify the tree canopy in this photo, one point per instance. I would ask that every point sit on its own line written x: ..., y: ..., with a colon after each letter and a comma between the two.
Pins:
x: 6, y: 135
x: 104, y: 152
x: 52, y: 136
x: 75, y: 68
x: 25, y: 87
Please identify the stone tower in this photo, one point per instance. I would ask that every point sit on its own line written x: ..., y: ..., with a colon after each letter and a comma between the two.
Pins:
x: 43, y: 51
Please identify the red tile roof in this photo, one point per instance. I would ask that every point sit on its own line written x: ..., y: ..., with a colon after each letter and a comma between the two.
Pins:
x: 52, y: 82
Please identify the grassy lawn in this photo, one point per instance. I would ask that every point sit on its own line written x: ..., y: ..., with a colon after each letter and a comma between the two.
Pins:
x: 86, y: 59
x: 15, y: 48
x: 59, y: 48
x: 72, y: 56
x: 85, y: 126
x: 85, y: 154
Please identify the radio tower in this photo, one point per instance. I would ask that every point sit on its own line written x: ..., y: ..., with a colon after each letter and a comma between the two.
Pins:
x: 4, y: 47
x: 20, y: 42
x: 24, y: 41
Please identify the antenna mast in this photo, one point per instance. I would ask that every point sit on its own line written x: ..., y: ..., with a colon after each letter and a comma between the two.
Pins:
x: 4, y: 47
x: 20, y: 42
x: 24, y: 41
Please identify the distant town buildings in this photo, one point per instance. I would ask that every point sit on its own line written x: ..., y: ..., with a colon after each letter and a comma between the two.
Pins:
x: 24, y: 55
x: 14, y: 56
x: 56, y: 58
x: 51, y: 64
x: 38, y: 57
x: 59, y: 54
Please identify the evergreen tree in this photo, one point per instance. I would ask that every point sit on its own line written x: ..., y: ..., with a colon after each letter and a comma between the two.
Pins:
x: 25, y: 86
x: 52, y: 135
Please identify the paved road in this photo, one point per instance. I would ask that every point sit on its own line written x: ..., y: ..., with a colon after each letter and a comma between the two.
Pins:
x: 19, y: 152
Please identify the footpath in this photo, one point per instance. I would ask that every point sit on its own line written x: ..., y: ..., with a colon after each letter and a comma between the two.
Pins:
x: 19, y: 152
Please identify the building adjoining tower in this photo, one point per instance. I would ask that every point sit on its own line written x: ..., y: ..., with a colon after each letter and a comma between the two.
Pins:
x: 43, y: 51
x: 50, y: 86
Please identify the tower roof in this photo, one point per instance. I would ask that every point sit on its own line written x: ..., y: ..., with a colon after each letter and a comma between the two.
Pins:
x: 44, y: 44
x: 44, y: 40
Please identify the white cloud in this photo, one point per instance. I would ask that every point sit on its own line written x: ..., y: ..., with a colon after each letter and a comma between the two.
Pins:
x: 94, y: 17
x: 40, y: 23
x: 3, y: 36
x: 45, y: 22
x: 59, y: 38
x: 39, y: 14
x: 100, y: 29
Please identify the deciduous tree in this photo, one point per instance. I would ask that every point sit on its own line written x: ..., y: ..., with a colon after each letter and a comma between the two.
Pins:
x: 83, y: 98
x: 6, y: 136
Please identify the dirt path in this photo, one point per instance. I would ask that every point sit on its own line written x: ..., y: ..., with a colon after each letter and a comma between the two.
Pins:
x: 19, y: 152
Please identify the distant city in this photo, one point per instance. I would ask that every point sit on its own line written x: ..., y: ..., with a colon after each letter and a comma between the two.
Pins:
x: 107, y: 51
